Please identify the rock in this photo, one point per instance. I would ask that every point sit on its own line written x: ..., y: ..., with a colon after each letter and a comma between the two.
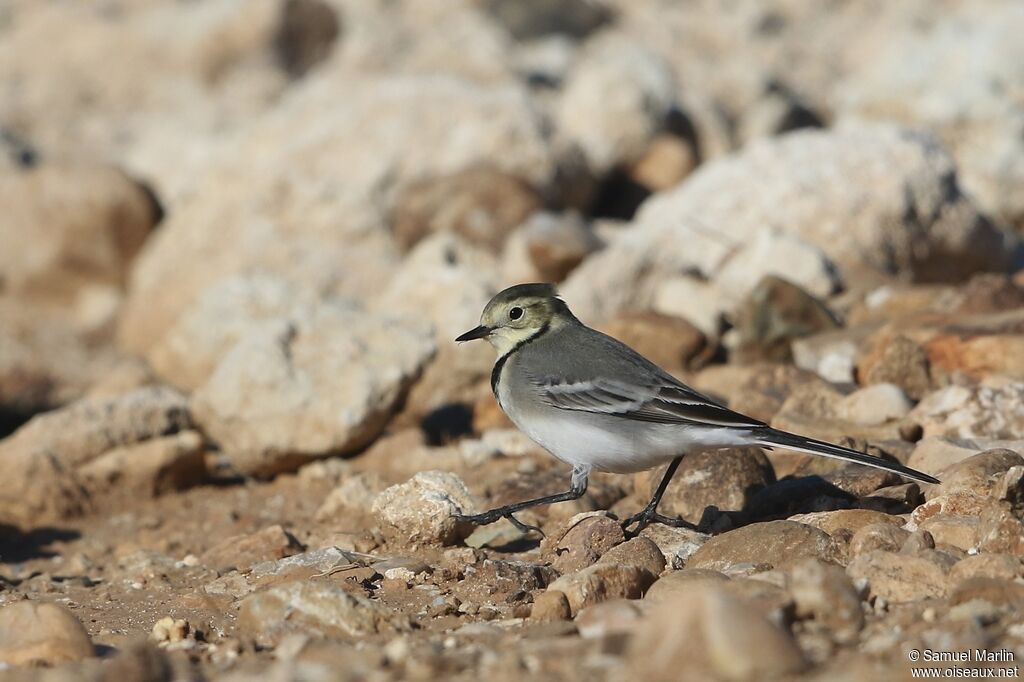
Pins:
x: 422, y: 510
x: 773, y: 544
x: 896, y: 360
x: 890, y: 80
x: 556, y: 244
x: 900, y: 578
x: 979, y: 474
x: 69, y: 461
x: 756, y: 390
x: 709, y: 634
x: 444, y: 280
x: 354, y: 496
x: 935, y: 454
x: 169, y: 630
x: 482, y: 205
x: 825, y: 593
x: 906, y: 215
x: 77, y: 228
x: 677, y: 545
x: 581, y: 541
x: 667, y: 160
x: 979, y: 412
x: 609, y: 618
x: 616, y: 99
x: 550, y: 607
x: 639, y: 551
x: 832, y: 355
x: 538, y: 18
x: 849, y: 519
x: 323, y: 226
x: 721, y: 479
x: 41, y: 633
x: 46, y: 360
x: 601, y: 582
x: 875, y: 404
x: 769, y: 599
x: 315, y: 608
x: 774, y: 313
x: 320, y: 383
x: 669, y: 342
x: 1000, y: 566
x: 998, y: 591
x: 242, y: 551
x: 1001, y: 531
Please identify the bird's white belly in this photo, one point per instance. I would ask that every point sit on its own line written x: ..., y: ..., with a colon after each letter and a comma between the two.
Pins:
x: 614, y: 444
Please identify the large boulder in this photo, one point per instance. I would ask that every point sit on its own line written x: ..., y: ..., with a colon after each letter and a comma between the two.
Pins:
x: 905, y: 215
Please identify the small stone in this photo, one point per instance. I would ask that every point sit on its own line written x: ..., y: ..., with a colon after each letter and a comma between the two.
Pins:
x: 169, y: 630
x: 825, y: 593
x: 706, y: 633
x: 422, y: 510
x: 557, y: 244
x: 770, y: 599
x: 917, y: 541
x: 1001, y: 531
x: 550, y: 606
x: 33, y: 633
x: 884, y: 537
x: 355, y: 495
x: 639, y: 551
x: 1002, y: 566
x: 979, y: 474
x: 956, y: 531
x: 601, y: 582
x: 242, y: 551
x: 581, y: 541
x: 984, y: 411
x: 669, y: 342
x: 609, y: 618
x: 677, y: 545
x: 850, y: 519
x: 316, y: 608
x: 1000, y: 592
x: 774, y: 544
x: 900, y: 578
x: 875, y: 404
x: 896, y: 360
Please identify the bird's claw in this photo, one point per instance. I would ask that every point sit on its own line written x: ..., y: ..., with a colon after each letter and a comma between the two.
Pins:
x: 649, y: 516
x: 496, y: 515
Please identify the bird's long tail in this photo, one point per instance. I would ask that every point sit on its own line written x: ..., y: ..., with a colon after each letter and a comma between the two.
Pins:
x: 770, y: 438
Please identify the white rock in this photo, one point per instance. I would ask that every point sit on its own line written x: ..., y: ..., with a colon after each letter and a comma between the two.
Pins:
x: 902, y: 216
x: 875, y: 404
x: 978, y: 412
x: 422, y: 510
x: 318, y: 382
x: 615, y: 100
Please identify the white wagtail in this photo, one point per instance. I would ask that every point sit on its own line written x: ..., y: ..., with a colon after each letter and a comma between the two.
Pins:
x: 596, y: 404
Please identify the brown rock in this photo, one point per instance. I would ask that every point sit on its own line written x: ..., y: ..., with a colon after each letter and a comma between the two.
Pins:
x: 639, y: 551
x: 850, y: 519
x: 242, y: 551
x: 601, y: 582
x: 581, y: 541
x: 1001, y: 531
x: 667, y: 160
x: 669, y: 342
x: 609, y: 618
x: 957, y: 531
x: 770, y: 599
x: 308, y: 607
x: 74, y: 459
x: 772, y: 315
x: 979, y: 474
x: 677, y: 545
x: 756, y: 390
x: 32, y: 632
x: 557, y: 244
x: 773, y: 544
x: 884, y: 537
x: 900, y: 577
x: 1001, y: 566
x: 936, y: 454
x: 481, y: 204
x: 550, y: 606
x: 825, y: 593
x: 707, y: 633
x: 896, y: 360
x: 997, y: 591
x: 724, y: 479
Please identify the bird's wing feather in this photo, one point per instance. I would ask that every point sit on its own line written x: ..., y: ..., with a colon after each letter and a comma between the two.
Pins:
x: 662, y: 400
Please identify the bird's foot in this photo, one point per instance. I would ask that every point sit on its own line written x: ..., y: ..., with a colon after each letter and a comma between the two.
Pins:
x: 649, y: 516
x: 494, y: 515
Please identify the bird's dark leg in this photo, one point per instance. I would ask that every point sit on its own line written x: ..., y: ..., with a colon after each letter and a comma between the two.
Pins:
x: 650, y: 514
x: 578, y: 487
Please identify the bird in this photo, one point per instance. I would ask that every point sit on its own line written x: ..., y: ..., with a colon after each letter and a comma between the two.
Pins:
x: 596, y: 404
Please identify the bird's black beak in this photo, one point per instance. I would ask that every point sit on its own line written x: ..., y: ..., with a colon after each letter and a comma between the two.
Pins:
x: 475, y: 333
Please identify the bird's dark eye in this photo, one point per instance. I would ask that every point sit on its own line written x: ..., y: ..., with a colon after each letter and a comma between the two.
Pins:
x: 515, y: 313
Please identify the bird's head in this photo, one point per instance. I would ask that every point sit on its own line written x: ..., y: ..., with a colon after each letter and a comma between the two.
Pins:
x: 518, y: 313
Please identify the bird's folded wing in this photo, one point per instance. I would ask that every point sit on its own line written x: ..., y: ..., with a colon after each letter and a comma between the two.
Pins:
x: 661, y: 401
